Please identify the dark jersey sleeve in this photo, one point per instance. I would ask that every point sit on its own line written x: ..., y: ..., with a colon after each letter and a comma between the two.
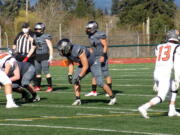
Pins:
x: 77, y: 50
x: 47, y: 36
x: 100, y: 35
x: 32, y: 34
x: 34, y: 42
x: 80, y: 51
x: 15, y: 40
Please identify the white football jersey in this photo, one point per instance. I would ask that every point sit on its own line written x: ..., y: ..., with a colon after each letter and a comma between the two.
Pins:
x: 4, y: 57
x: 165, y: 55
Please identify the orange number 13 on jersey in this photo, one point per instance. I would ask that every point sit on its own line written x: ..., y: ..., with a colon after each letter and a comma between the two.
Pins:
x: 164, y: 53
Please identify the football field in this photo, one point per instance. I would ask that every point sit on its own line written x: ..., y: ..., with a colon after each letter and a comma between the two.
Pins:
x: 54, y: 114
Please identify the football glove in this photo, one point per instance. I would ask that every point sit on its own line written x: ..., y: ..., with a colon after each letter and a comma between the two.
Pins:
x: 70, y: 79
x: 26, y: 59
x: 77, y: 80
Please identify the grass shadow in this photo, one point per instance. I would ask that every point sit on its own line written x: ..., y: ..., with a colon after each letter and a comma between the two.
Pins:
x: 56, y: 88
x: 114, y: 91
x: 86, y: 101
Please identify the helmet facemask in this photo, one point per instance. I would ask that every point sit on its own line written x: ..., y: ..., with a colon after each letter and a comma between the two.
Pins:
x: 39, y: 29
x: 91, y: 27
x: 64, y: 48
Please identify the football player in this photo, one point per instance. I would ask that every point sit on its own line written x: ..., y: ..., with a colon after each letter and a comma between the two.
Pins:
x: 98, y: 42
x: 87, y: 63
x: 5, y: 80
x: 168, y: 57
x: 44, y: 55
x: 21, y: 74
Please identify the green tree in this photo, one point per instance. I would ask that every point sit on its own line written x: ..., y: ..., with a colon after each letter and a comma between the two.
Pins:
x: 68, y: 4
x: 135, y: 12
x: 12, y: 7
x: 84, y: 8
x: 115, y: 7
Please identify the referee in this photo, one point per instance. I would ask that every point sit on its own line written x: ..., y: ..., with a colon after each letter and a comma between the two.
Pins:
x: 24, y: 45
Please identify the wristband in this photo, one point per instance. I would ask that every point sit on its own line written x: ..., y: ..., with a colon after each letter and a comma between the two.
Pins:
x: 26, y: 59
x: 104, y: 54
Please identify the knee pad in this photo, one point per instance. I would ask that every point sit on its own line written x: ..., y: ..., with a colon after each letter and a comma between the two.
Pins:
x: 105, y: 74
x: 46, y: 71
x: 100, y: 82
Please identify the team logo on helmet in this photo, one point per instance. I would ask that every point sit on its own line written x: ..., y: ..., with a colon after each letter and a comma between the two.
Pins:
x: 64, y: 47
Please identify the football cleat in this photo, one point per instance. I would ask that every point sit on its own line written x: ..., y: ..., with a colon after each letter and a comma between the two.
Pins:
x: 92, y: 93
x: 37, y: 88
x: 49, y: 89
x: 11, y: 105
x: 143, y: 112
x: 77, y: 102
x: 112, y: 101
x: 36, y: 99
x: 173, y: 113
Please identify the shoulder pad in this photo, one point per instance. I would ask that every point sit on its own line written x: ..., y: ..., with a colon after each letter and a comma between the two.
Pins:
x: 78, y: 50
x: 100, y: 35
x: 47, y: 36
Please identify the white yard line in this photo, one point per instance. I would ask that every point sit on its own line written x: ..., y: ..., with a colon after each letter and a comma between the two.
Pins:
x: 129, y: 69
x: 81, y: 128
x: 118, y: 94
x: 89, y: 107
x: 16, y: 120
x: 88, y: 114
x: 126, y: 85
x: 113, y: 79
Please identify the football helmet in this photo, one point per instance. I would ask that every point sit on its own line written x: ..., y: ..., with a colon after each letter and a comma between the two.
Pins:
x: 64, y: 47
x: 91, y: 27
x: 172, y: 35
x: 39, y: 26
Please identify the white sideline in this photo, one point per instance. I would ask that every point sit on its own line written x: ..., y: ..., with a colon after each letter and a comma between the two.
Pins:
x: 81, y: 128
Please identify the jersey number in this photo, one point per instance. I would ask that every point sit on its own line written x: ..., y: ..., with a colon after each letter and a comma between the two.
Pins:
x: 164, y: 53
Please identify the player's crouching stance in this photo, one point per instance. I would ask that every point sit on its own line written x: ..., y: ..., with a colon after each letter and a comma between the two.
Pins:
x: 4, y: 80
x: 87, y: 63
x: 168, y: 58
x: 21, y: 74
x: 27, y: 73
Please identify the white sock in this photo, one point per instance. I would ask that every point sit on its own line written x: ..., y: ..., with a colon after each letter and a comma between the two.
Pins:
x: 172, y: 107
x: 9, y: 98
x: 146, y: 106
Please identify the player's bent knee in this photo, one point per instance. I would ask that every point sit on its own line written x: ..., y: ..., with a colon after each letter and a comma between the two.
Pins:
x: 162, y: 98
x: 100, y: 83
x: 7, y: 82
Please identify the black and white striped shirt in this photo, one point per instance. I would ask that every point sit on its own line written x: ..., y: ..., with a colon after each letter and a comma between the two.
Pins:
x: 23, y: 43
